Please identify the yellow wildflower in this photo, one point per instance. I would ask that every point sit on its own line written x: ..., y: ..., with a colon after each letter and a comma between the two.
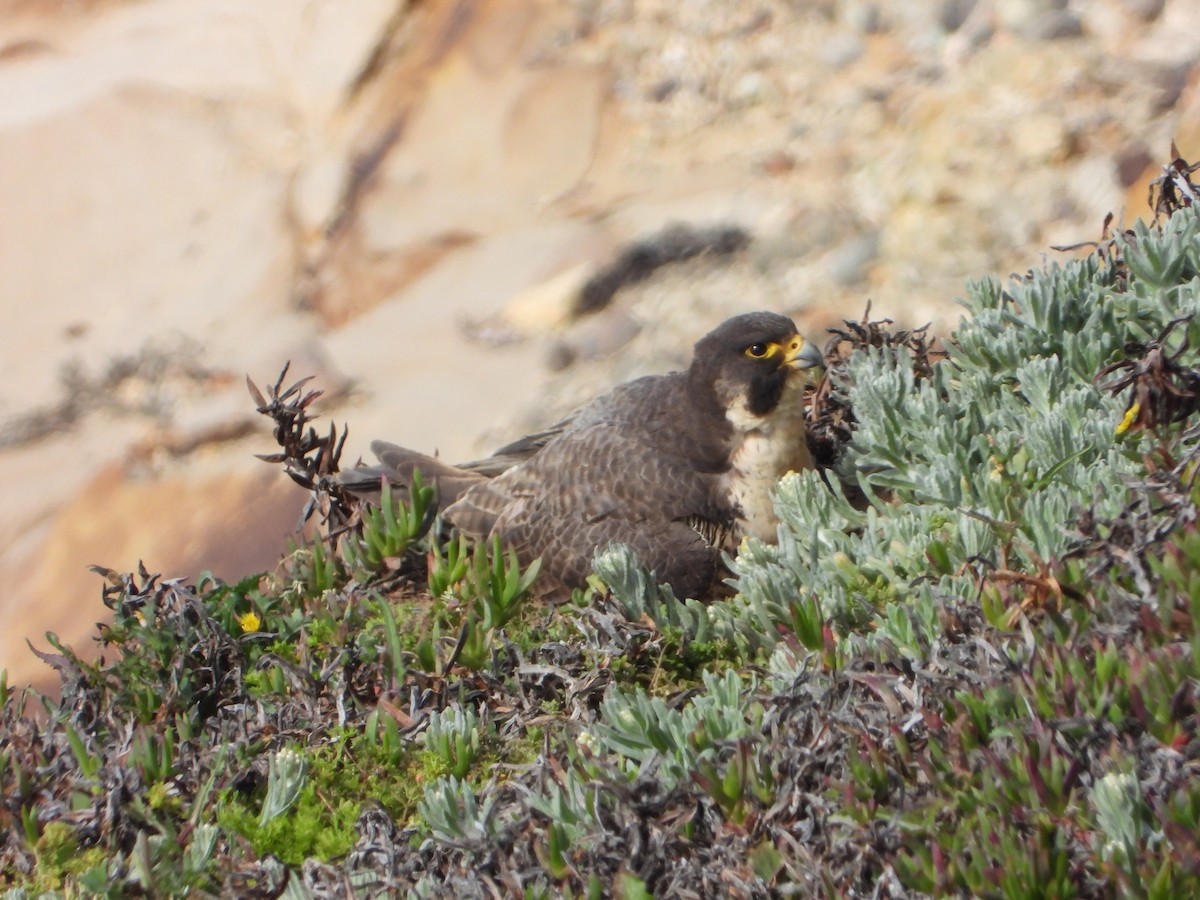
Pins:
x: 1130, y: 415
x: 249, y: 622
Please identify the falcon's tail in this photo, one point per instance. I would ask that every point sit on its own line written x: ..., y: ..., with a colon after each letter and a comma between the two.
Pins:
x: 397, y: 465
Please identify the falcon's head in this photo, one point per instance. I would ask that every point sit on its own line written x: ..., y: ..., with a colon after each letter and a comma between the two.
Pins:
x: 751, y: 363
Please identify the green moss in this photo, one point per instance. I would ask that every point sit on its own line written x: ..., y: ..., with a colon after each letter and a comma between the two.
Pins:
x: 160, y: 799
x: 341, y: 775
x: 320, y: 634
x: 315, y: 826
x: 59, y: 858
x: 257, y: 684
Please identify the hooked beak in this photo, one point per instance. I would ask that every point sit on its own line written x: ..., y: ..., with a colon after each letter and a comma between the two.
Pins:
x: 802, y: 354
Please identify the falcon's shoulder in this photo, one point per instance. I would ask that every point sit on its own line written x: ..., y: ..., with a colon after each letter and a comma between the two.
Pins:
x: 629, y: 455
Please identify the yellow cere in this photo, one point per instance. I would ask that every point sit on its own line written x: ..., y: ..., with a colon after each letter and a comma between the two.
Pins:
x: 1130, y: 415
x: 250, y: 622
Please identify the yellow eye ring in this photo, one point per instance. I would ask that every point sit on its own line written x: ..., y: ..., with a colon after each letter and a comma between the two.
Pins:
x: 760, y: 350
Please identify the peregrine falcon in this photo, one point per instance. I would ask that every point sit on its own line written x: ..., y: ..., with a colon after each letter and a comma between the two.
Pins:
x: 679, y: 467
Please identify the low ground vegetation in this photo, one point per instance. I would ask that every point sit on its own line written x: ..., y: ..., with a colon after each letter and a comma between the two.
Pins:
x: 970, y: 664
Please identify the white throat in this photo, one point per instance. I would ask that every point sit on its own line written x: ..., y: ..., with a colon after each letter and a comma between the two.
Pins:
x: 765, y: 449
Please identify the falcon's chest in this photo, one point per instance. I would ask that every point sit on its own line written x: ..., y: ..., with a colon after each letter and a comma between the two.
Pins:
x: 765, y: 449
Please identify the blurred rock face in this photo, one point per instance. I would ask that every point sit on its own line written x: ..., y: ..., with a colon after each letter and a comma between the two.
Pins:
x: 409, y: 199
x: 230, y: 526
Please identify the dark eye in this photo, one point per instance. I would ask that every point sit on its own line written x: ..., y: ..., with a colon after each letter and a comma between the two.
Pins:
x: 758, y: 351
